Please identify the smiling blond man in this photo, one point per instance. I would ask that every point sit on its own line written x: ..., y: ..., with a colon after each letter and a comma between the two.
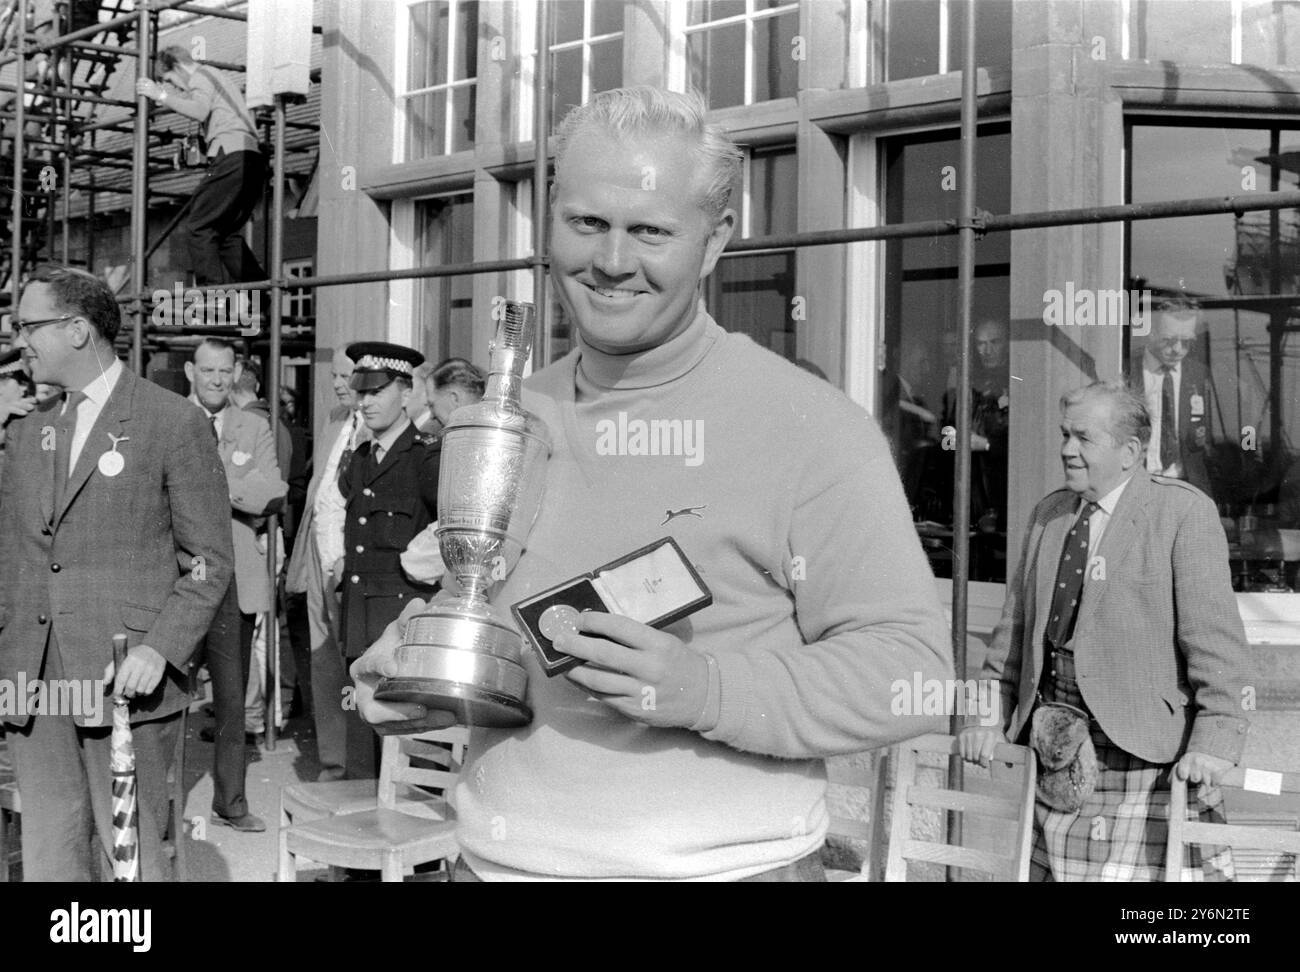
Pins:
x: 694, y: 752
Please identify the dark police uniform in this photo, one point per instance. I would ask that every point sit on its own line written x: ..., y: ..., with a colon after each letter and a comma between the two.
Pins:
x: 387, y: 506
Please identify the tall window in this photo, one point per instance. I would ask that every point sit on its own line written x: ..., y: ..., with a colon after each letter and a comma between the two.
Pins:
x: 926, y: 36
x: 441, y: 77
x: 444, y: 235
x: 918, y: 388
x: 740, y: 52
x: 297, y: 303
x: 1234, y: 354
x: 752, y: 293
x: 586, y: 51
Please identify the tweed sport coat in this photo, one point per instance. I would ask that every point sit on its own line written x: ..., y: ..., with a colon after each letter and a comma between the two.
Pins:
x: 146, y: 553
x: 257, y: 487
x: 1160, y: 650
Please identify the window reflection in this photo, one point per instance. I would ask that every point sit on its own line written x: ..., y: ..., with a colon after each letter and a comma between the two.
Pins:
x: 1234, y: 338
x: 445, y: 229
x: 918, y: 386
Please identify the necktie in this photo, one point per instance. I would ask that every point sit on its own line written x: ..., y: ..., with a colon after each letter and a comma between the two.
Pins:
x: 345, y: 459
x: 377, y: 453
x: 1168, y: 419
x: 1069, y: 579
x: 65, y: 428
x: 213, y: 419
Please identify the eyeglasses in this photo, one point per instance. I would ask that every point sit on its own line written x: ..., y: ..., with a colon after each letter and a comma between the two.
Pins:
x: 21, y: 327
x: 1170, y: 342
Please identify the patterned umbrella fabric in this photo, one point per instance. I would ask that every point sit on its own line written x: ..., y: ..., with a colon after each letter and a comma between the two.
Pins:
x: 126, y: 822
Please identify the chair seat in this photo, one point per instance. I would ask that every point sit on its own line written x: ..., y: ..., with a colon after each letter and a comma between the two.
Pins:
x: 311, y: 801
x: 374, y: 832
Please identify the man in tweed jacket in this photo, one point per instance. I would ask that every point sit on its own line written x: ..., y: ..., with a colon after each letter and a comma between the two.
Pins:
x: 138, y: 544
x: 1157, y: 654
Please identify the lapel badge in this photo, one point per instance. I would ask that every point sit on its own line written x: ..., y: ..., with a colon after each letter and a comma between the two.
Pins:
x: 111, y: 463
x: 240, y: 458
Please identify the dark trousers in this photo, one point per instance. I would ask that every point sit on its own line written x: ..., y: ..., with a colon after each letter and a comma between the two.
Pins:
x: 66, y: 782
x: 223, y: 203
x: 228, y: 648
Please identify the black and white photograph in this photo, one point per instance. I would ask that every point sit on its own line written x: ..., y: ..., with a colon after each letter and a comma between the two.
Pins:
x: 642, y: 441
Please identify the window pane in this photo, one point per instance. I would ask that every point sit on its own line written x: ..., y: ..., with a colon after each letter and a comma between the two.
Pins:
x: 606, y: 65
x: 462, y: 119
x: 773, y: 190
x: 913, y: 37
x: 992, y: 34
x: 425, y: 120
x: 1190, y: 31
x: 752, y: 295
x: 703, y: 11
x: 713, y: 56
x: 775, y: 70
x: 446, y: 235
x: 606, y: 17
x: 428, y: 47
x: 566, y: 82
x: 918, y: 387
x: 566, y: 21
x: 1244, y: 359
x: 466, y: 40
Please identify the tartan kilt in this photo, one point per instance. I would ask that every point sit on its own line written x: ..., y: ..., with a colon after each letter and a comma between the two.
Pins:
x: 1121, y: 831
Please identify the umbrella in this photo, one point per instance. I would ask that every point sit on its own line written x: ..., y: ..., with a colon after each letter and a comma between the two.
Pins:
x: 126, y: 817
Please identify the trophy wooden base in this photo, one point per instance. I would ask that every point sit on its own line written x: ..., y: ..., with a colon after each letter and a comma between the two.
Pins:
x: 474, y: 706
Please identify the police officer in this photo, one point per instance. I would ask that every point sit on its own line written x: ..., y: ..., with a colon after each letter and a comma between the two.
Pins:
x: 391, y: 490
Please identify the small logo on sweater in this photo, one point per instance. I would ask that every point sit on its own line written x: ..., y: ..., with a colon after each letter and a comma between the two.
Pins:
x: 654, y: 437
x: 684, y: 511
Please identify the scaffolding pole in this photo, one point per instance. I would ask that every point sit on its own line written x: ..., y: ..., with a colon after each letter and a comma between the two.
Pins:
x: 140, y: 188
x: 273, y: 396
x: 966, y: 227
x: 20, y: 122
x: 541, y: 135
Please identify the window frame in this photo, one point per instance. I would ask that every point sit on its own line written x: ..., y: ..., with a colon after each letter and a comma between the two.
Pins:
x: 448, y: 87
x: 681, y: 31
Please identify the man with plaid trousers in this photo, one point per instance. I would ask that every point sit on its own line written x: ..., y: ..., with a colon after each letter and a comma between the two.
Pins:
x: 1122, y: 607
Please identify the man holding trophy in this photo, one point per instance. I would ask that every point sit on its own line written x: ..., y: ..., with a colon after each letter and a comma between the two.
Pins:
x: 750, y: 615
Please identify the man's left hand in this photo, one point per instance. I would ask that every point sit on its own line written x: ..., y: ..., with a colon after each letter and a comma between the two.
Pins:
x: 148, y: 88
x: 1202, y: 768
x: 141, y: 672
x: 646, y: 674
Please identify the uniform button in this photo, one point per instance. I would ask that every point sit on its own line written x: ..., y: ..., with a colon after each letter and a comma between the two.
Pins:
x: 367, y: 492
x: 360, y: 549
x: 356, y: 579
x: 361, y: 520
x: 390, y: 512
x: 42, y: 619
x: 55, y: 568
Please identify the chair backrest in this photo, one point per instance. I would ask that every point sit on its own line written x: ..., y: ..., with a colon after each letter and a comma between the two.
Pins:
x: 1274, y: 826
x: 1013, y: 764
x: 864, y: 788
x: 405, y: 760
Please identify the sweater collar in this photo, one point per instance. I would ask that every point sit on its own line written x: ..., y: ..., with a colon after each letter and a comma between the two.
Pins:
x: 656, y: 366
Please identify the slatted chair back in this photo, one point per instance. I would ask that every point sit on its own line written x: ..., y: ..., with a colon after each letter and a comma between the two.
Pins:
x: 1274, y: 828
x: 431, y: 760
x: 1013, y: 765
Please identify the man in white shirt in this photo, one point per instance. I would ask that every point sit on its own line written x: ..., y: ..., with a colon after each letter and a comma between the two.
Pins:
x: 1179, y: 395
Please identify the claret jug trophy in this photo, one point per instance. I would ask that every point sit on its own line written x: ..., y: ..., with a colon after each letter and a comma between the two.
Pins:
x: 462, y: 655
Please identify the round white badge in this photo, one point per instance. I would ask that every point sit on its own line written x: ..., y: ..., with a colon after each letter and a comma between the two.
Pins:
x: 558, y: 619
x: 111, y: 463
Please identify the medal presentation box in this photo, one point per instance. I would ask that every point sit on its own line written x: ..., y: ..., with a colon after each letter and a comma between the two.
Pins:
x: 655, y: 585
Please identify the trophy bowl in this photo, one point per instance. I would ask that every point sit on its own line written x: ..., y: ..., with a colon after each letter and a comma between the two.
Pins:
x: 461, y: 655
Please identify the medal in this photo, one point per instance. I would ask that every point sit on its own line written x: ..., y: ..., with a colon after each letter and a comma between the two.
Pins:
x: 111, y: 463
x: 558, y: 619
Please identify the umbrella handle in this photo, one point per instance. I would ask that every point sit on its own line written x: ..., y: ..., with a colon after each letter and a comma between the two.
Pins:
x: 119, y: 653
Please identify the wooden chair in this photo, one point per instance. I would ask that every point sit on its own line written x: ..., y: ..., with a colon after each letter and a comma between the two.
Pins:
x: 869, y: 787
x: 384, y: 836
x: 1013, y: 768
x: 1274, y: 825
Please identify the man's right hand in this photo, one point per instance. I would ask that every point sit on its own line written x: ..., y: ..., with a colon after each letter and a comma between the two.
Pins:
x: 978, y: 742
x: 16, y: 408
x: 380, y: 661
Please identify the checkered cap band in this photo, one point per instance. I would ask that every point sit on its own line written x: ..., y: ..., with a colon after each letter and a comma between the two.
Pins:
x: 373, y: 362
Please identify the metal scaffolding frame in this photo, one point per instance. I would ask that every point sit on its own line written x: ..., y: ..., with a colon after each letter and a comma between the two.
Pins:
x: 971, y: 224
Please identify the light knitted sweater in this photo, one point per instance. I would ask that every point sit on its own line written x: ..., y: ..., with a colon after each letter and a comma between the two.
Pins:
x: 822, y: 599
